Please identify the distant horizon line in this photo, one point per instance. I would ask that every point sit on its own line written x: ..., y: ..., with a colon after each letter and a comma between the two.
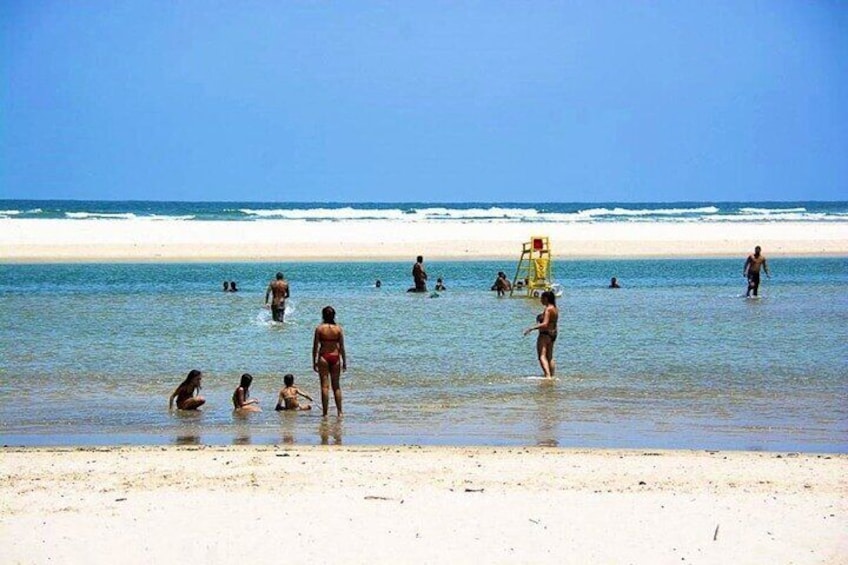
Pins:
x: 410, y: 202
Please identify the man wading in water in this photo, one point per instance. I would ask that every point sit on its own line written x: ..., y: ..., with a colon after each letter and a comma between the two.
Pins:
x: 752, y: 270
x: 280, y: 290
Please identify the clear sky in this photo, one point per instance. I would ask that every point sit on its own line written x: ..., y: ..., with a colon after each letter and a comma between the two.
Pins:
x: 424, y: 101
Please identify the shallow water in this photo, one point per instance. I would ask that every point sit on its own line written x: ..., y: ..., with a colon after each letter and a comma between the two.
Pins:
x: 90, y: 353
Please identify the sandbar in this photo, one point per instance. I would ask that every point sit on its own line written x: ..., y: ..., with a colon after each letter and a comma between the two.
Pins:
x: 100, y: 240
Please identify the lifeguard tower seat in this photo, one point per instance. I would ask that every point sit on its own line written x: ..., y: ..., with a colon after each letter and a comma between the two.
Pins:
x: 534, y: 267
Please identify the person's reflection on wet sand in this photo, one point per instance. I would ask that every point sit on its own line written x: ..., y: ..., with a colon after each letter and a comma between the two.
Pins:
x: 549, y: 415
x: 288, y: 438
x: 242, y: 431
x: 187, y: 439
x: 242, y: 439
x: 327, y: 429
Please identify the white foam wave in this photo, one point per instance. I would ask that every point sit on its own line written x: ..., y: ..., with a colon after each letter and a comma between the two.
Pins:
x: 594, y: 212
x: 771, y: 217
x: 122, y: 216
x: 770, y: 210
x: 87, y: 215
x: 19, y: 212
x: 325, y: 214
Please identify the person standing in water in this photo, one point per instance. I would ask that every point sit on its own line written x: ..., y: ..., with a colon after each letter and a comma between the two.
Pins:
x: 279, y: 288
x: 752, y: 267
x: 329, y: 358
x: 419, y: 276
x: 547, y: 328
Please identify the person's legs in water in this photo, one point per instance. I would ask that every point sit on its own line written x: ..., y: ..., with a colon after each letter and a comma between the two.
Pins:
x: 335, y: 376
x: 542, y: 346
x: 324, y: 374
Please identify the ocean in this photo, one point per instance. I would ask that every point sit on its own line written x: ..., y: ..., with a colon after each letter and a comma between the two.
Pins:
x: 676, y: 358
x: 422, y: 211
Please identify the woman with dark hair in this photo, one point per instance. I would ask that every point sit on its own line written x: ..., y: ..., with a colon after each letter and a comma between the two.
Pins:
x: 547, y: 327
x: 241, y: 396
x: 186, y: 393
x: 329, y: 358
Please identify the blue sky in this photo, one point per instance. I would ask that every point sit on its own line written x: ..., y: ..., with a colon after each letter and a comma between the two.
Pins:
x: 424, y: 101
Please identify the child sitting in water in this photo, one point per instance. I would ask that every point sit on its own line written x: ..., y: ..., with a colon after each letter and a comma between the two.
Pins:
x: 240, y: 396
x: 288, y: 396
x: 186, y: 393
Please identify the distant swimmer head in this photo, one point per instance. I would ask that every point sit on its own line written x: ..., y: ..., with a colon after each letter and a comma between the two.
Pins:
x: 226, y: 286
x: 279, y: 276
x: 378, y: 284
x: 246, y: 379
x: 233, y: 286
x: 328, y: 314
x: 288, y: 379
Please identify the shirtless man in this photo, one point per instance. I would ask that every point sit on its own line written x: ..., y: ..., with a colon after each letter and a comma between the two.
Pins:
x: 752, y: 270
x: 280, y: 290
x: 419, y: 276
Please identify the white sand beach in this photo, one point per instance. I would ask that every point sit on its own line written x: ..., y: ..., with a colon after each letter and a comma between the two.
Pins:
x: 169, y: 240
x: 420, y: 505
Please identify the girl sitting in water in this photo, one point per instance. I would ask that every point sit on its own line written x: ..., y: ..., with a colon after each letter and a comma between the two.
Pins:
x: 288, y: 396
x: 241, y: 400
x: 186, y: 393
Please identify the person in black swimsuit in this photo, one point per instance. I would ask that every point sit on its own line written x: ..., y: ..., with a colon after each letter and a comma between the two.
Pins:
x: 546, y: 324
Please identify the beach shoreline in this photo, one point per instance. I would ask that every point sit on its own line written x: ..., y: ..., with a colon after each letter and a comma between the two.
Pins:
x: 56, y: 240
x: 487, y: 504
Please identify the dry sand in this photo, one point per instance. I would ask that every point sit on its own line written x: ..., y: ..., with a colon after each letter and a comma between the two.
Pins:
x: 170, y: 240
x: 417, y: 505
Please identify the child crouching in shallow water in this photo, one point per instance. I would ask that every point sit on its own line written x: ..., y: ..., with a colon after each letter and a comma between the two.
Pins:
x: 288, y: 396
x: 241, y: 401
x: 186, y: 393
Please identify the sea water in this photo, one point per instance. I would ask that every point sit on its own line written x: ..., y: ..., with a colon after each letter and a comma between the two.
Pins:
x: 676, y: 358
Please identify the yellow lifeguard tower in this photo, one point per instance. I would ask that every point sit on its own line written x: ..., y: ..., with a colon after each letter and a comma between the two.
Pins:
x: 534, y: 269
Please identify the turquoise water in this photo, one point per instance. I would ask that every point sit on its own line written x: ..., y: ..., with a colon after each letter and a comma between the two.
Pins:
x: 676, y: 359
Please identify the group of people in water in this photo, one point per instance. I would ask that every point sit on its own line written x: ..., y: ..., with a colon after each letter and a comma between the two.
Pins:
x: 187, y: 395
x: 329, y: 358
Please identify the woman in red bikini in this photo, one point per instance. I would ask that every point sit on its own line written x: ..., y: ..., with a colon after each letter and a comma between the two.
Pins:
x: 329, y: 358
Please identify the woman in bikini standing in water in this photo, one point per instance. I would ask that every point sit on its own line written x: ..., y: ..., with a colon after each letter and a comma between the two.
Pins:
x: 329, y: 358
x: 547, y: 326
